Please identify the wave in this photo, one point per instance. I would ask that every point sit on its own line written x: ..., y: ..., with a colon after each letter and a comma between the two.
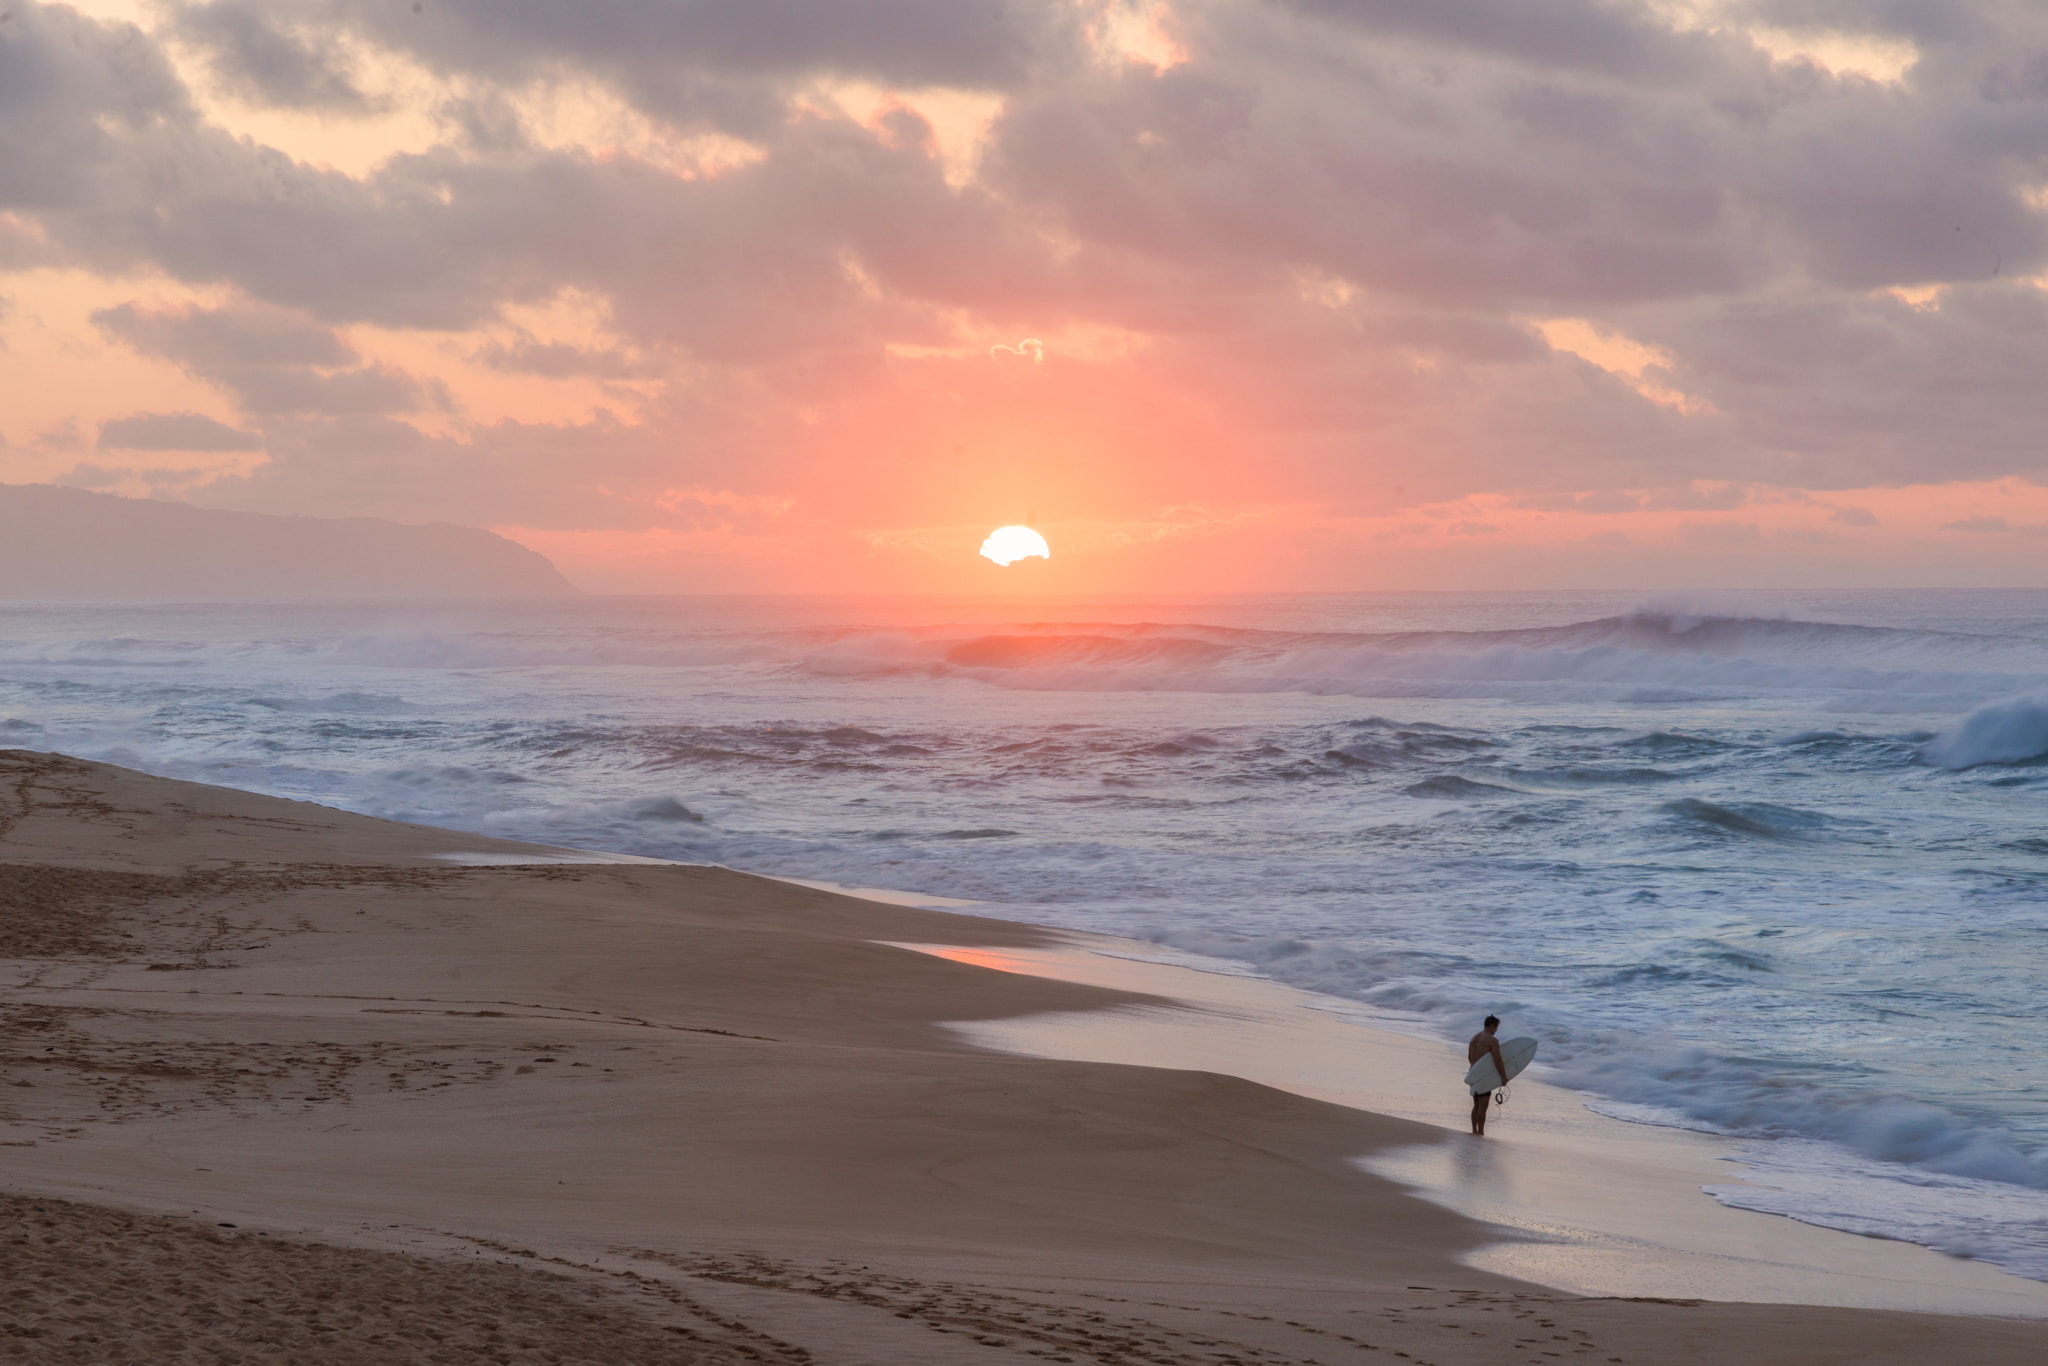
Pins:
x: 1568, y: 779
x: 1014, y: 652
x: 1820, y: 1183
x: 2014, y: 731
x: 1450, y: 785
x: 1640, y: 657
x: 332, y: 703
x: 1646, y: 656
x: 662, y: 809
x: 1865, y: 1157
x: 1755, y: 1098
x: 1669, y: 745
x: 1629, y: 876
x: 1765, y: 820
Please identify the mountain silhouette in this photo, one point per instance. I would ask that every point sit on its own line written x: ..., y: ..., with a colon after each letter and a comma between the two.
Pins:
x: 71, y: 543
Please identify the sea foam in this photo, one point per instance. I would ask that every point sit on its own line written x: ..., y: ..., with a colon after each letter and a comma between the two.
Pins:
x: 2009, y: 732
x: 1757, y: 872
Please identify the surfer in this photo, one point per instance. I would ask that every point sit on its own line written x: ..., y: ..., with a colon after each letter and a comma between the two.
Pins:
x: 1484, y: 1044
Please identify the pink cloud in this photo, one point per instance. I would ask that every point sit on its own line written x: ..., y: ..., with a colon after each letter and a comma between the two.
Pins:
x: 1566, y: 292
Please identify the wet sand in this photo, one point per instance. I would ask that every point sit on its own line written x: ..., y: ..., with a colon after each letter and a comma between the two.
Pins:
x: 464, y: 1109
x: 1585, y: 1202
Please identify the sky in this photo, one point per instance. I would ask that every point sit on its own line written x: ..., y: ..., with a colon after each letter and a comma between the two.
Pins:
x: 810, y: 295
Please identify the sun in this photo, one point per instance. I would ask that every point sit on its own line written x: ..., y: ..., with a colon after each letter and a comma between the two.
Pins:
x: 1008, y: 544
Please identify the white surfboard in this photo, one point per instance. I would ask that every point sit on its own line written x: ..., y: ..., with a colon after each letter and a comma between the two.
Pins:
x: 1484, y: 1076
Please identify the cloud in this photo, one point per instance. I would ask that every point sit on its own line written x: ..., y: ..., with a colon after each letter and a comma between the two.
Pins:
x: 174, y: 432
x: 132, y: 482
x: 1721, y: 533
x: 272, y: 360
x: 2023, y: 80
x: 86, y: 475
x: 530, y: 357
x: 1697, y: 498
x: 1352, y: 255
x: 679, y: 57
x: 1603, y: 500
x: 59, y: 436
x: 1996, y: 525
x: 272, y: 62
x: 227, y: 338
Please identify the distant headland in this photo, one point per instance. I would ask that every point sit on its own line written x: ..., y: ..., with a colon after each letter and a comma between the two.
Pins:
x: 70, y: 543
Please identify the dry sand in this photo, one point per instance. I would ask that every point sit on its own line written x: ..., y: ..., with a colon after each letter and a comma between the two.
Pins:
x: 631, y: 1112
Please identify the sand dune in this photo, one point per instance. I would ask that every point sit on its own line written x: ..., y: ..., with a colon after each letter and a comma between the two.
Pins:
x: 651, y: 1113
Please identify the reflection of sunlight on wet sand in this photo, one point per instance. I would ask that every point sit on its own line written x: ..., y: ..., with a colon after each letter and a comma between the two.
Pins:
x: 994, y: 959
x: 1587, y: 1204
x: 1475, y: 1168
x: 888, y: 896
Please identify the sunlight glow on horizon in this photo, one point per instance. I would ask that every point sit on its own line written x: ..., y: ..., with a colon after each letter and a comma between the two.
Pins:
x: 810, y: 334
x: 1008, y: 544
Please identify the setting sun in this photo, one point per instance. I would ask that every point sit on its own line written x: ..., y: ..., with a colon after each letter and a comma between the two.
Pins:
x: 1008, y: 544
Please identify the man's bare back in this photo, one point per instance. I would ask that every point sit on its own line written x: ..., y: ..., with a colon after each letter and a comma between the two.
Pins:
x: 1484, y: 1044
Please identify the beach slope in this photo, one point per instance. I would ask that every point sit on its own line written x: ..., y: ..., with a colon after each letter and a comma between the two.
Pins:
x: 282, y: 1083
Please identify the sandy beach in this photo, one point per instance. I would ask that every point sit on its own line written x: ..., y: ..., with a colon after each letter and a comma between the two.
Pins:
x: 287, y: 1084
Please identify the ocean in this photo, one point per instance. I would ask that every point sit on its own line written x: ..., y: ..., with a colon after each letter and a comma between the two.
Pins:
x: 1770, y: 865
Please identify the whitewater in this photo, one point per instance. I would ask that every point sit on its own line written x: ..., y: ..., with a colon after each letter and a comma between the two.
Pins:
x: 1773, y: 866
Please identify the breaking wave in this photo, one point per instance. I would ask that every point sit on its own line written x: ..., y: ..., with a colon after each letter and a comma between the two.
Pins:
x: 1705, y: 850
x: 1640, y: 657
x: 1761, y: 819
x: 2010, y: 732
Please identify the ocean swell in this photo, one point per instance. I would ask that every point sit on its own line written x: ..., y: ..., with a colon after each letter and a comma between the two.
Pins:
x: 1768, y: 876
x: 2014, y: 731
x: 1642, y: 657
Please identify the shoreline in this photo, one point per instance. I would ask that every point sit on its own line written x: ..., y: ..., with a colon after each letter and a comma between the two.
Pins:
x: 287, y: 1031
x: 1535, y: 1193
x: 1586, y: 1203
